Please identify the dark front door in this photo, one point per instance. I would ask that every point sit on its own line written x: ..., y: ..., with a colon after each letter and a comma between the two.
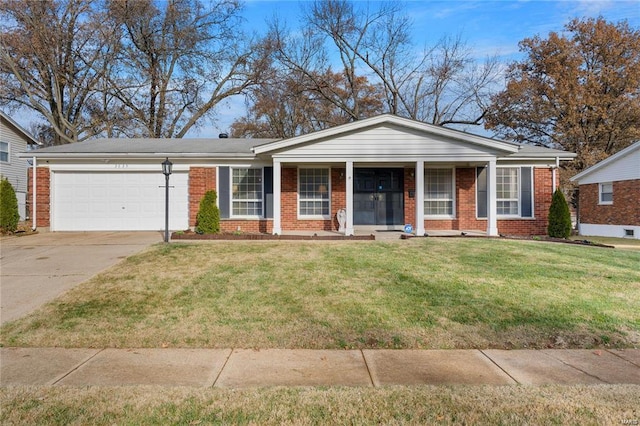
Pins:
x: 378, y: 197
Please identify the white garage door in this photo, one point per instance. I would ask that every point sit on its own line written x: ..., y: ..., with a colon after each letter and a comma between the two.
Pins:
x: 118, y: 201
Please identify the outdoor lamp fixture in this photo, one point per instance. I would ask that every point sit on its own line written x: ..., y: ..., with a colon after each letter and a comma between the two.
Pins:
x: 166, y: 171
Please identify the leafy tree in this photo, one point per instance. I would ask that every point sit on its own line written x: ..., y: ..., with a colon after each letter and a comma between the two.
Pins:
x: 289, y: 104
x: 578, y: 90
x: 9, y: 215
x: 559, y: 216
x: 208, y: 218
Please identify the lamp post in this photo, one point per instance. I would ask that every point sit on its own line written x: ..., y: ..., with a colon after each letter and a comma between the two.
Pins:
x: 166, y: 171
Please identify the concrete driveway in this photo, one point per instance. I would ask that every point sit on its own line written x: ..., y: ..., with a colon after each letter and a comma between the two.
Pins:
x: 38, y: 268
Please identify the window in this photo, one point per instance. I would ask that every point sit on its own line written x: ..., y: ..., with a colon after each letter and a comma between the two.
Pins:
x: 246, y: 192
x: 313, y: 192
x: 4, y: 152
x: 606, y: 193
x: 514, y: 192
x: 438, y: 192
x: 507, y: 191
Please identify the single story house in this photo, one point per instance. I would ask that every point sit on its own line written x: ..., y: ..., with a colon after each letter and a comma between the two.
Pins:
x: 13, y: 141
x: 609, y: 196
x: 378, y: 173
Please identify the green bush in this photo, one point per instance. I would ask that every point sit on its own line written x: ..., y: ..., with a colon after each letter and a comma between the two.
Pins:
x: 9, y: 215
x: 208, y: 218
x: 559, y: 217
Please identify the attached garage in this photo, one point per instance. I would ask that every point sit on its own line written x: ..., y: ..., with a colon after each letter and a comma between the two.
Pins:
x: 117, y: 201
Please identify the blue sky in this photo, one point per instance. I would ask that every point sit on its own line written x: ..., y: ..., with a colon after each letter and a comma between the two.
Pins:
x: 488, y: 28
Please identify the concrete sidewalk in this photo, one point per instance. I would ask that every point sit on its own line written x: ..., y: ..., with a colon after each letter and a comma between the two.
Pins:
x: 237, y: 368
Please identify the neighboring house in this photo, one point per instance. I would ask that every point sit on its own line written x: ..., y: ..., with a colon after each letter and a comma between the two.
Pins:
x: 13, y: 141
x: 385, y: 171
x: 609, y: 196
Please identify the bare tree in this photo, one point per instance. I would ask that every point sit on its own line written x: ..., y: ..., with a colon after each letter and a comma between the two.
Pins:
x: 178, y: 60
x: 442, y: 85
x: 51, y: 56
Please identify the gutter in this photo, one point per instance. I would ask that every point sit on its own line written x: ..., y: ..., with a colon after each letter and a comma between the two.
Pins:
x: 138, y: 156
x: 33, y: 191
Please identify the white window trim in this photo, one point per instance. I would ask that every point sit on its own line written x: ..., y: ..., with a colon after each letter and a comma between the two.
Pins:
x: 604, y: 203
x: 234, y: 216
x: 453, y: 198
x: 313, y: 217
x: 518, y: 199
x: 8, y: 153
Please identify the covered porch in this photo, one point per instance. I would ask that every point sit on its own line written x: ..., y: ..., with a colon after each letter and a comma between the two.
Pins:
x: 379, y: 197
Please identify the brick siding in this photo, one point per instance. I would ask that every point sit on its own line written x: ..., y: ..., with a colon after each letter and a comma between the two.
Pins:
x: 466, y: 207
x: 43, y: 196
x: 625, y: 209
x: 201, y: 180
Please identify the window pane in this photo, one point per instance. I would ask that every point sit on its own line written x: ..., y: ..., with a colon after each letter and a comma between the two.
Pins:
x: 313, y: 191
x: 507, y: 191
x: 606, y: 192
x: 4, y: 151
x: 246, y: 192
x: 438, y: 192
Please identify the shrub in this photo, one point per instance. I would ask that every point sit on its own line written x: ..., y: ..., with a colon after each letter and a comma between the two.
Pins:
x: 559, y: 217
x: 9, y: 215
x: 208, y: 218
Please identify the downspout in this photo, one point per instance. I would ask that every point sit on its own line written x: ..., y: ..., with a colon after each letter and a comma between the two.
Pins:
x: 553, y: 169
x: 33, y: 191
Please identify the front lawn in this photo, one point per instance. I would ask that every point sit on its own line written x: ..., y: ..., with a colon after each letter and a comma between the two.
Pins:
x: 418, y: 293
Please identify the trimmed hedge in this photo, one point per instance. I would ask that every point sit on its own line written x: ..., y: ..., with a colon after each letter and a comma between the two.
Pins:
x: 559, y: 217
x: 208, y: 218
x: 9, y: 214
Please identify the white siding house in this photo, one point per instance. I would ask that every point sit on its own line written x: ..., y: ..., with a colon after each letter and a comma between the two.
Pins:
x: 14, y: 140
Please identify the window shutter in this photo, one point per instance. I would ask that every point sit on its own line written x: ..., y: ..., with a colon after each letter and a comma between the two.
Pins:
x: 481, y: 192
x: 224, y: 195
x: 268, y: 192
x: 526, y: 187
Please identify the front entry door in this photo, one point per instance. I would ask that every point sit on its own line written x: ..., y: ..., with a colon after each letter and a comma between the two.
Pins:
x: 378, y: 197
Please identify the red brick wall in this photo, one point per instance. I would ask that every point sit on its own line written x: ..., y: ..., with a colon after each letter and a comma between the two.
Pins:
x: 625, y: 209
x: 43, y: 195
x: 289, y: 202
x: 201, y: 180
x: 264, y: 226
x: 409, y: 202
x: 466, y: 207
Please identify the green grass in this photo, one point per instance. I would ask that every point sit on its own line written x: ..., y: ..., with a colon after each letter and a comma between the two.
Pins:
x: 419, y: 293
x: 497, y: 405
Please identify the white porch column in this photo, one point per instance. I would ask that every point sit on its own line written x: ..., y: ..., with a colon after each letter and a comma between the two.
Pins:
x: 277, y: 187
x: 349, y: 198
x: 492, y: 208
x: 419, y: 197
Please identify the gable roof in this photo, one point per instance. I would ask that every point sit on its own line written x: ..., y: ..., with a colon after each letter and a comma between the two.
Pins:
x: 18, y: 129
x: 386, y: 119
x: 606, y: 162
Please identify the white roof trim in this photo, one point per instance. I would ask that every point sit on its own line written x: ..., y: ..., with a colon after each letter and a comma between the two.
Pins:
x: 606, y: 161
x: 20, y: 129
x: 507, y: 147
